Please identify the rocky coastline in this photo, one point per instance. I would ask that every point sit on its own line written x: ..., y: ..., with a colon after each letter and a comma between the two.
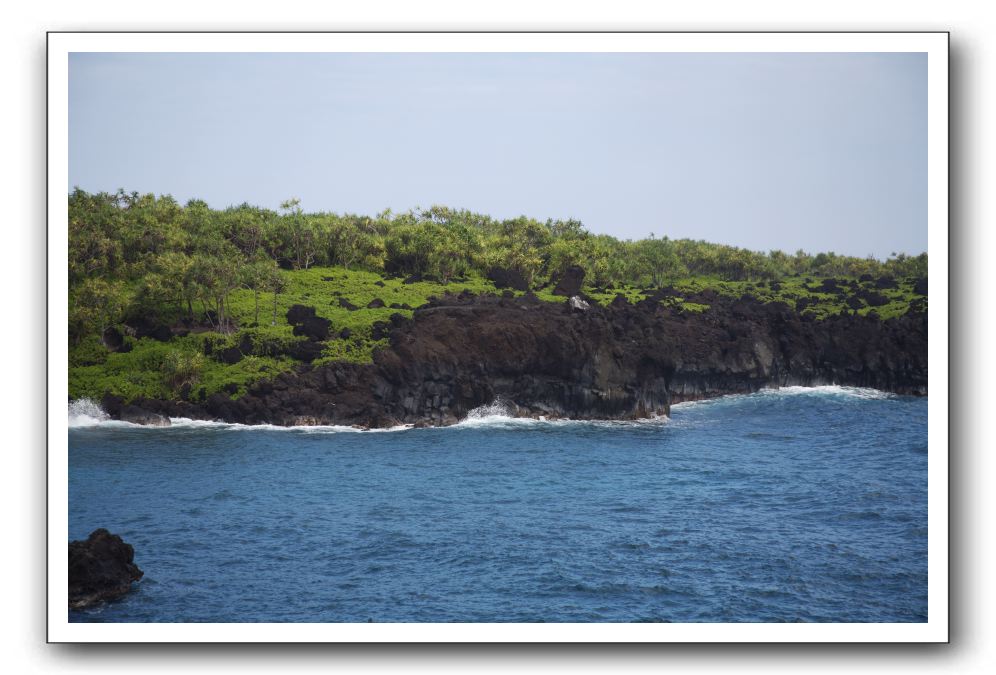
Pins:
x: 572, y: 360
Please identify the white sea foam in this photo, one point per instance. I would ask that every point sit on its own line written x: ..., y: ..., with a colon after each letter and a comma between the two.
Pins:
x: 496, y: 413
x: 187, y: 423
x: 829, y: 390
x: 499, y: 414
x: 822, y: 391
x: 86, y: 413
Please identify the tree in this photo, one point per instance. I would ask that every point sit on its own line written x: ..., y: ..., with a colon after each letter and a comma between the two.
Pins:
x: 660, y: 260
x: 300, y: 234
x: 257, y: 276
x: 215, y: 278
x: 95, y: 241
x: 94, y: 305
x: 277, y: 284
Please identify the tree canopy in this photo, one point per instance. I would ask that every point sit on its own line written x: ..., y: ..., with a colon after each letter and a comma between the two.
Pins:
x: 132, y: 252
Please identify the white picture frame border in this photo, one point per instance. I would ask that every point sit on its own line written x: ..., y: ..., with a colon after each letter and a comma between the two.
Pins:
x: 934, y: 44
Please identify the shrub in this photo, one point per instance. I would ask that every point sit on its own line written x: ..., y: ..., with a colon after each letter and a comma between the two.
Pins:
x: 182, y: 367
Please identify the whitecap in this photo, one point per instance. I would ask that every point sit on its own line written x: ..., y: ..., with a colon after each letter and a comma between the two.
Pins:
x: 185, y: 422
x: 820, y: 391
x: 499, y: 414
x: 84, y: 412
x: 828, y: 390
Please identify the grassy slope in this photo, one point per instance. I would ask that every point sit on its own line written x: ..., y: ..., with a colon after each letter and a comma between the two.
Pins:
x: 93, y: 371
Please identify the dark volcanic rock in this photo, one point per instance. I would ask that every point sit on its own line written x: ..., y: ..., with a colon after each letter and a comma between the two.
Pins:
x: 376, y: 303
x: 299, y: 314
x: 506, y: 278
x: 307, y: 324
x: 161, y: 332
x: 315, y: 328
x: 829, y: 286
x: 306, y: 351
x: 113, y: 339
x: 343, y: 302
x: 141, y: 327
x: 230, y: 356
x: 570, y: 282
x: 873, y: 298
x: 100, y: 568
x: 920, y: 286
x: 138, y: 415
x: 618, y: 362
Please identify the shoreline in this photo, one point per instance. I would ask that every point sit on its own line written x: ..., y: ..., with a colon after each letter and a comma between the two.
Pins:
x: 866, y: 393
x: 618, y: 362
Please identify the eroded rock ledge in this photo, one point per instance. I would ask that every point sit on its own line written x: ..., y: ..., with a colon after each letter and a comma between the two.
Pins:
x: 618, y: 362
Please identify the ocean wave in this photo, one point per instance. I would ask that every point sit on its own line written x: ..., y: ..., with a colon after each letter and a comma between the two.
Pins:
x: 187, y: 423
x: 832, y: 391
x: 498, y: 414
x: 501, y: 415
x: 829, y: 390
x: 84, y: 413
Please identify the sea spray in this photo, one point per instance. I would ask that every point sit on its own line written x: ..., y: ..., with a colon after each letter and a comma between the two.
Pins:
x: 84, y: 412
x: 497, y: 408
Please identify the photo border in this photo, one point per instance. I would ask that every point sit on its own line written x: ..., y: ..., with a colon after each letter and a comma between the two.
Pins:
x: 61, y: 43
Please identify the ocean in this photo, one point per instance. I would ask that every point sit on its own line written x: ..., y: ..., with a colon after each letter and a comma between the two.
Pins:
x: 781, y: 506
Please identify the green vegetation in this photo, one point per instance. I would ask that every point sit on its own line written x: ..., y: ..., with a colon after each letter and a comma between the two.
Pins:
x: 224, y: 280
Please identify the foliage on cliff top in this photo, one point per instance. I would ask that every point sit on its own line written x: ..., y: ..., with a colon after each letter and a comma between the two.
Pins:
x: 229, y: 277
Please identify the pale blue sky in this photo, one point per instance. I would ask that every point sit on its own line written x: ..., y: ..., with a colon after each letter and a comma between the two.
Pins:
x: 813, y: 151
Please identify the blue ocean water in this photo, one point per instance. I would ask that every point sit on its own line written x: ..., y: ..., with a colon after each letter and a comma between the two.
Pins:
x: 796, y: 505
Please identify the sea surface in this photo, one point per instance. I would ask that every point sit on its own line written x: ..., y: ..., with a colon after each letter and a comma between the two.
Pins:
x: 791, y: 505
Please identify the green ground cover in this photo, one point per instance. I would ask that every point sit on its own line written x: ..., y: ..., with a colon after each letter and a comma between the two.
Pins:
x: 162, y: 369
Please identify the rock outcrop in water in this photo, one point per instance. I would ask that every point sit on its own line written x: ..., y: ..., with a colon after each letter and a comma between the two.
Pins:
x: 623, y: 361
x: 100, y: 568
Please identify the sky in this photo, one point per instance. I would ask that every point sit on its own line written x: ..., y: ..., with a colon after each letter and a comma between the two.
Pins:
x: 820, y: 152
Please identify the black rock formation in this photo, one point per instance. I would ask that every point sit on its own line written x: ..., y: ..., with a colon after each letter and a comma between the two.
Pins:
x: 570, y: 281
x: 506, y: 278
x: 306, y: 323
x: 100, y: 568
x: 113, y: 339
x: 619, y: 362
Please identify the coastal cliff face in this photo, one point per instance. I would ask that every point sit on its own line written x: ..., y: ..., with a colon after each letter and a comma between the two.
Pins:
x: 622, y: 361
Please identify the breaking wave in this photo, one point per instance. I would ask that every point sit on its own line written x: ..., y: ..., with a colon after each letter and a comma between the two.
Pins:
x: 496, y: 413
x: 501, y: 415
x: 85, y: 413
x: 828, y: 391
